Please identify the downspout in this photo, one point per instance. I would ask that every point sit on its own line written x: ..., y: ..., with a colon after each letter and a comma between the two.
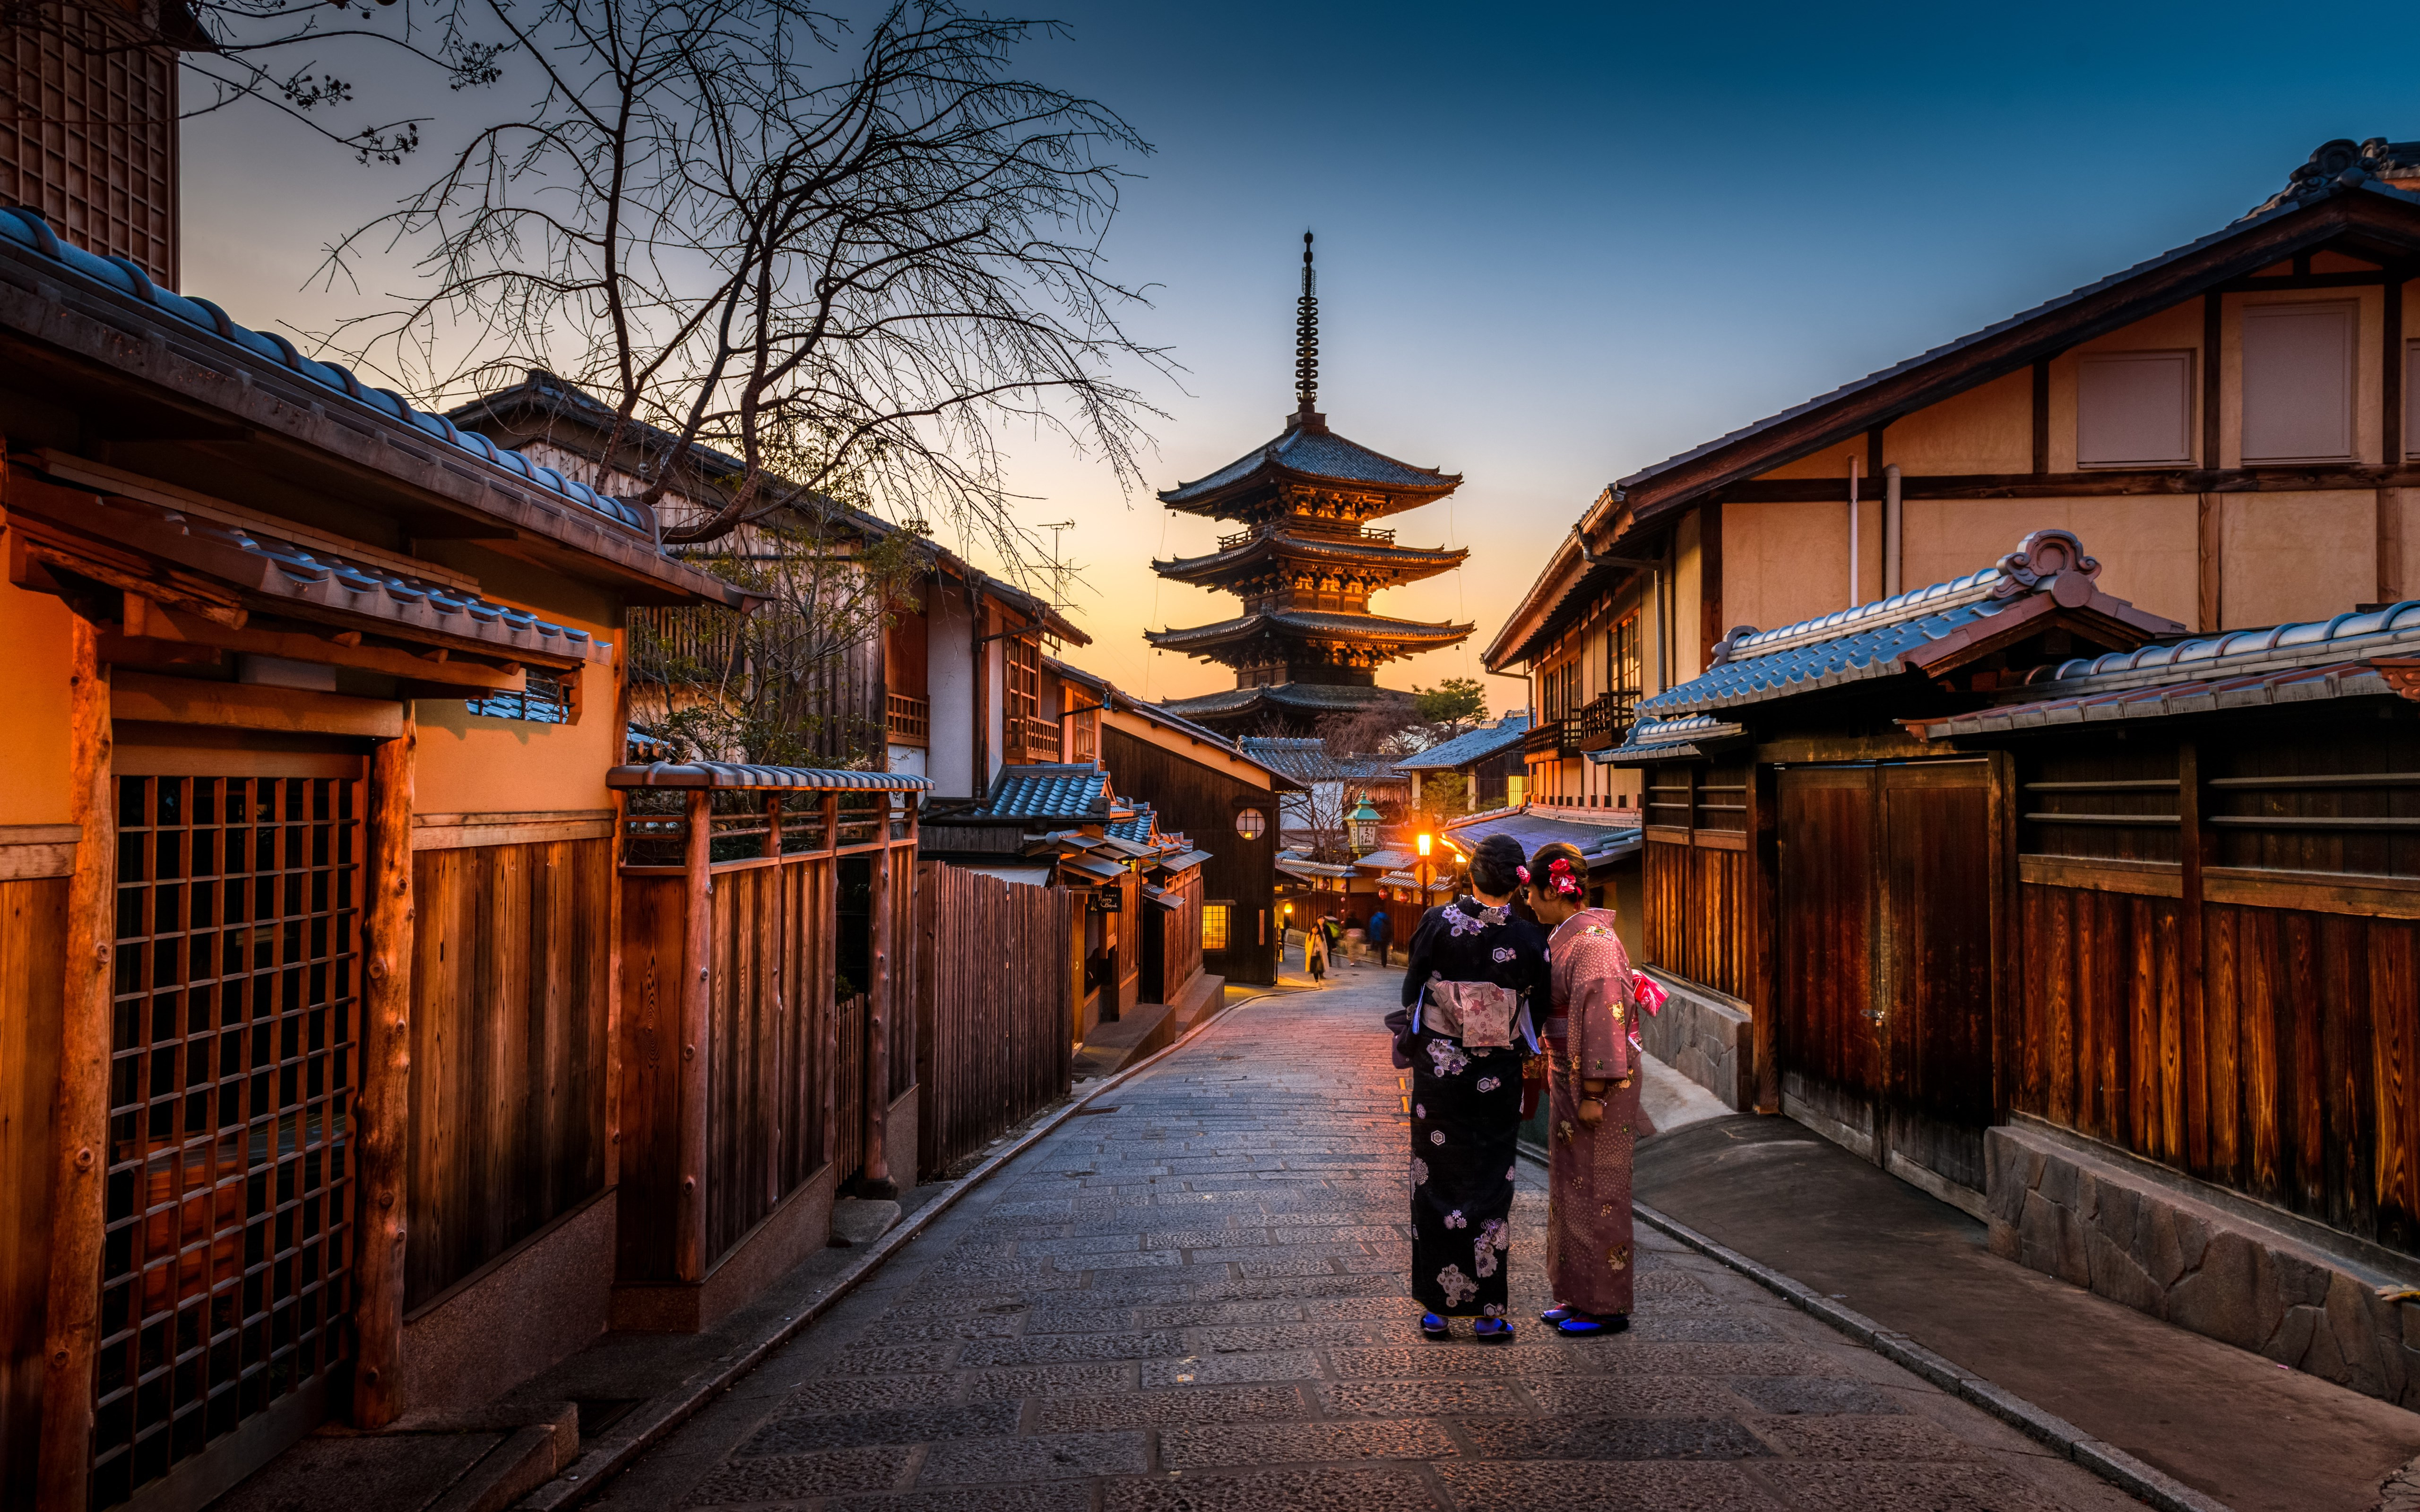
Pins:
x: 1890, y: 532
x: 1852, y: 529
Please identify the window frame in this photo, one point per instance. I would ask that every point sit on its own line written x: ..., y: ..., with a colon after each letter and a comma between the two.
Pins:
x: 2185, y: 357
x: 2348, y: 311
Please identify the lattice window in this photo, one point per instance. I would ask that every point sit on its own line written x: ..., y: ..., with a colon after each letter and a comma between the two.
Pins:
x: 1621, y: 664
x: 88, y: 136
x: 1024, y: 678
x: 227, y: 1262
x: 1215, y: 920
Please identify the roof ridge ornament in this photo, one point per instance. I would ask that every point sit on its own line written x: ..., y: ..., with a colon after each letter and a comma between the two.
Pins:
x: 1305, y: 350
x: 2049, y: 561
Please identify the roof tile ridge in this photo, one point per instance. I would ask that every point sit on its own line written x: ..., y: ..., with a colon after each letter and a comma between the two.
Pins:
x: 1898, y: 608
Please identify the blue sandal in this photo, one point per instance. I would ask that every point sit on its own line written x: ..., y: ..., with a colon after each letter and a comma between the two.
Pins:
x: 1585, y: 1325
x: 1556, y: 1314
x: 1493, y: 1331
x: 1435, y: 1327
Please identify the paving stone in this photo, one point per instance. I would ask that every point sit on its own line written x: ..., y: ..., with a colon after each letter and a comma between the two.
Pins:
x: 1412, y: 1399
x: 853, y: 1430
x: 886, y: 1360
x: 1639, y: 1395
x: 1612, y: 1438
x: 1800, y: 1394
x: 1718, y: 1328
x: 865, y: 1393
x: 1047, y: 1496
x: 1307, y: 1335
x: 1228, y: 1369
x: 1584, y: 1486
x: 1284, y: 1490
x: 1888, y: 1487
x: 1274, y: 1444
x: 1852, y: 1436
x: 1054, y: 1349
x: 801, y: 1476
x: 1044, y: 1457
x: 1155, y: 1409
x: 978, y: 1326
x: 1207, y: 1313
x: 1038, y: 1381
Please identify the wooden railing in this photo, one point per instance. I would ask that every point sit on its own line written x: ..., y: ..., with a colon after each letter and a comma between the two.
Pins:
x: 1606, y: 722
x: 1029, y: 739
x: 909, y: 717
x: 1561, y: 736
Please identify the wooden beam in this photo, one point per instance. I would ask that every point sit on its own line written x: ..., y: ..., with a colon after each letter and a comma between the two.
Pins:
x: 383, y: 1129
x: 1711, y: 628
x: 147, y: 622
x: 697, y: 983
x: 2041, y: 421
x: 2390, y: 429
x: 875, y: 1182
x: 2214, y: 334
x: 253, y: 706
x: 2210, y: 535
x: 2194, y: 852
x: 2098, y: 482
x: 80, y: 1107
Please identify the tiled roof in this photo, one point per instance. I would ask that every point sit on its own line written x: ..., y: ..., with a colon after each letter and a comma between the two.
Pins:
x: 1661, y: 740
x: 1304, y: 698
x: 1470, y: 746
x: 1409, y: 561
x: 1070, y: 791
x: 1327, y: 622
x: 1136, y: 829
x: 1318, y: 452
x: 1595, y: 843
x: 2281, y: 664
x: 1298, y: 866
x: 2048, y: 570
x: 1305, y: 759
x: 31, y: 231
x: 732, y: 775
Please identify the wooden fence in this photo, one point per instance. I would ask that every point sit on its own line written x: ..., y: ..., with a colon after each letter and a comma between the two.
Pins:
x: 992, y: 1006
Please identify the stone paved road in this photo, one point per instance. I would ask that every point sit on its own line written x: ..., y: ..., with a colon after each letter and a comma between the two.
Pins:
x: 1191, y: 1300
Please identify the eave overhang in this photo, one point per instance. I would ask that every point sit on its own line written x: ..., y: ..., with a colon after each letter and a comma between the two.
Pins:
x: 1289, y: 625
x: 1403, y: 563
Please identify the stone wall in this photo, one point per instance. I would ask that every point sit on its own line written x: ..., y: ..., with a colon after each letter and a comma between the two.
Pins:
x: 1704, y: 1036
x: 2145, y: 1239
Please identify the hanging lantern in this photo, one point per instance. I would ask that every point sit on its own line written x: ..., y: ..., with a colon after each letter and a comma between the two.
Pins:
x: 1362, y: 825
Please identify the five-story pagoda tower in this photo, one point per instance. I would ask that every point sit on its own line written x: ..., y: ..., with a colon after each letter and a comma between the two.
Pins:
x: 1305, y: 564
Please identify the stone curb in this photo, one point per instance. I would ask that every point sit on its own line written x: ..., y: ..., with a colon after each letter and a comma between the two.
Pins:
x: 588, y: 1474
x: 2108, y: 1461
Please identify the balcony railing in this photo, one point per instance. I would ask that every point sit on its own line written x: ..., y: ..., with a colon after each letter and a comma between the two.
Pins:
x: 1377, y: 537
x: 910, y: 719
x: 1030, y: 739
x: 1545, y: 736
x: 1606, y: 722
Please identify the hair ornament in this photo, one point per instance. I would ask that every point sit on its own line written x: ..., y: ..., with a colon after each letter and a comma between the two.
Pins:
x: 1522, y: 872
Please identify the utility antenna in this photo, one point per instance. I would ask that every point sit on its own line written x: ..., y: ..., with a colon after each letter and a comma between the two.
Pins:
x: 1306, y: 343
x: 1058, y: 563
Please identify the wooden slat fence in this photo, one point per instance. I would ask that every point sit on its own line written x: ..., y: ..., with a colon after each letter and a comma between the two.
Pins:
x: 1696, y: 908
x: 992, y: 1005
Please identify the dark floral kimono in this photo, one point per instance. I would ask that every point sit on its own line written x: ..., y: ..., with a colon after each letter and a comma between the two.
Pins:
x: 1467, y: 1107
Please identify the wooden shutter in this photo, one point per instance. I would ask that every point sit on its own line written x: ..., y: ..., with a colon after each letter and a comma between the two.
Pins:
x: 2133, y: 409
x: 2298, y: 383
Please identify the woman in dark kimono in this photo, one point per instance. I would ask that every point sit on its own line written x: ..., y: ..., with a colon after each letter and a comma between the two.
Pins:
x: 1474, y: 970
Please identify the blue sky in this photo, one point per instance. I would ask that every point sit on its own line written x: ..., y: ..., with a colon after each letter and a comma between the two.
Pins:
x: 1556, y: 243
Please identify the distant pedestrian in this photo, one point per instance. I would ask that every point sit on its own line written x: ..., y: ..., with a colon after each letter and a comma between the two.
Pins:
x: 1314, y: 952
x: 1464, y: 1030
x: 1379, y: 932
x: 1331, y: 934
x: 1593, y: 1112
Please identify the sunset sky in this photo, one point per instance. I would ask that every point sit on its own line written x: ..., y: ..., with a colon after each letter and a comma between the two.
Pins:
x: 1556, y: 243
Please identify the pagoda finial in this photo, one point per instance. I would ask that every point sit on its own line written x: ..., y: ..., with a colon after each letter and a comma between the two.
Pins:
x: 1306, y: 348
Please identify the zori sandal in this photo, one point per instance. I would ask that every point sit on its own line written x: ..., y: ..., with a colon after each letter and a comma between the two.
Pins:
x: 1435, y: 1327
x: 1493, y: 1331
x: 1555, y: 1314
x: 1586, y: 1325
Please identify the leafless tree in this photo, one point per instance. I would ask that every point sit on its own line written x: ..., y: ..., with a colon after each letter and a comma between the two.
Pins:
x: 747, y: 225
x: 272, y: 53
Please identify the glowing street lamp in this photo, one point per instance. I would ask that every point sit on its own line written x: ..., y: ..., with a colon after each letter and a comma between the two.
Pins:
x: 1423, y: 845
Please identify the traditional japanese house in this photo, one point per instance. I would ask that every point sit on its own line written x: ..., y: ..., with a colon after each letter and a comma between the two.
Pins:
x: 1305, y: 564
x: 308, y: 973
x: 1209, y: 788
x: 2186, y: 406
x: 1489, y: 759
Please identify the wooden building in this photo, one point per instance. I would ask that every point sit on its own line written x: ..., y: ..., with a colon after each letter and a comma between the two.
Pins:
x: 314, y: 700
x: 2184, y: 406
x: 2091, y: 930
x: 1305, y: 564
x: 1490, y: 761
x: 89, y: 141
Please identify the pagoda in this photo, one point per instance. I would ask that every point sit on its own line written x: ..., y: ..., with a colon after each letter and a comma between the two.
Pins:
x: 1305, y: 564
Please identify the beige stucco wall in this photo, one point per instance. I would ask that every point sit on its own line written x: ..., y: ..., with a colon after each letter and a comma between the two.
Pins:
x: 2297, y: 556
x: 2176, y: 329
x: 2148, y: 545
x: 1986, y: 430
x: 34, y: 690
x: 1787, y: 563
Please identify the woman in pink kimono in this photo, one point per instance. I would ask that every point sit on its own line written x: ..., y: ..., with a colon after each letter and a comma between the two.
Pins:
x: 1592, y: 1100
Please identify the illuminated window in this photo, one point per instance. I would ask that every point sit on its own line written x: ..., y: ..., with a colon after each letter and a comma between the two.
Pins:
x: 1251, y: 824
x: 1214, y: 919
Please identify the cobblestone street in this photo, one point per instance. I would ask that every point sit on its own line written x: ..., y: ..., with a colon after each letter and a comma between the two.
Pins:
x: 1191, y: 1297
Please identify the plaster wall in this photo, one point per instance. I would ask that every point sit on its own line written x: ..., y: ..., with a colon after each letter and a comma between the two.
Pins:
x: 2148, y: 544
x: 2297, y: 556
x: 2176, y: 329
x: 1985, y: 429
x: 950, y: 757
x: 995, y: 711
x: 34, y: 690
x: 1688, y: 602
x: 1783, y: 563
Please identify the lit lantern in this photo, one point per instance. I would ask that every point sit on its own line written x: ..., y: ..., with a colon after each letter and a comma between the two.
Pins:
x: 1363, y: 824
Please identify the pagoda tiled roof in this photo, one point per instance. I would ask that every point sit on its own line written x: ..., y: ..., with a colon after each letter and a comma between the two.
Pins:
x: 1408, y: 562
x: 1284, y: 698
x: 1308, y: 624
x: 1314, y: 454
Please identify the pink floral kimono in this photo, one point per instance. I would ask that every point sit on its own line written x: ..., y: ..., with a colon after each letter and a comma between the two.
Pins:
x: 1590, y: 1038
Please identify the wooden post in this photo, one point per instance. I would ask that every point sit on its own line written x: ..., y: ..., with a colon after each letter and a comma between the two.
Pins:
x: 2193, y: 849
x: 876, y: 1181
x: 821, y: 993
x: 697, y: 919
x: 1762, y: 929
x: 382, y: 1129
x: 80, y: 1110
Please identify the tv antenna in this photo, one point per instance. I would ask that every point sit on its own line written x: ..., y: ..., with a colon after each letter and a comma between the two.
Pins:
x: 1058, y: 563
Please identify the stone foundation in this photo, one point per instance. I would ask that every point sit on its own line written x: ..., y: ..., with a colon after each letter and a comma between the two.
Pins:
x: 1704, y: 1036
x: 2203, y: 1260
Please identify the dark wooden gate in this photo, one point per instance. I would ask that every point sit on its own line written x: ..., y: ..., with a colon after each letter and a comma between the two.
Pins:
x: 1888, y: 876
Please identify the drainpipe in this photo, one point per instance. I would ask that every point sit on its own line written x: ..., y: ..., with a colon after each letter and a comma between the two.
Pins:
x: 1852, y: 529
x: 1890, y: 531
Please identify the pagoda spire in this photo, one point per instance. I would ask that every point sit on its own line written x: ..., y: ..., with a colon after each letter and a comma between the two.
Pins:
x: 1306, y: 350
